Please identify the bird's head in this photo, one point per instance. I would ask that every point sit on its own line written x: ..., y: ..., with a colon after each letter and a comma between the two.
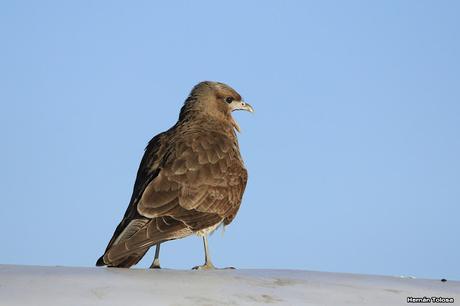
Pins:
x: 217, y: 100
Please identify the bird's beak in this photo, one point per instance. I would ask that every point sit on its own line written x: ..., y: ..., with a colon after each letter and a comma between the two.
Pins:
x: 240, y: 105
x: 244, y: 106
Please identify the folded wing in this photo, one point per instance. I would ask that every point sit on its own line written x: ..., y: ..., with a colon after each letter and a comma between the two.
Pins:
x: 198, y: 184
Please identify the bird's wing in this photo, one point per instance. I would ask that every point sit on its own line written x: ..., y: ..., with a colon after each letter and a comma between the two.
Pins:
x: 205, y: 177
x: 199, y: 185
x: 132, y: 221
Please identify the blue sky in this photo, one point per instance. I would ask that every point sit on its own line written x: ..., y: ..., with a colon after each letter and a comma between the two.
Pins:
x: 353, y: 152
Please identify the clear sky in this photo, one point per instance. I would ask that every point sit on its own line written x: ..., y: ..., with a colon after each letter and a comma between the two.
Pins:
x: 353, y: 153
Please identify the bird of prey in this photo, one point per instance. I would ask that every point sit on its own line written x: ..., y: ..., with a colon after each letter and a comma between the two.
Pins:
x: 191, y: 179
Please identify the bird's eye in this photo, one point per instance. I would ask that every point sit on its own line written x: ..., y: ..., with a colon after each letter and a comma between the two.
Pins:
x: 229, y: 99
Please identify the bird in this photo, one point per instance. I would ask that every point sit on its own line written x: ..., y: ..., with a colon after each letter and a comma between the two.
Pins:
x: 191, y: 179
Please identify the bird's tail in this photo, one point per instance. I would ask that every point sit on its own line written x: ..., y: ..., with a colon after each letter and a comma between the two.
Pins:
x: 130, y: 247
x: 123, y: 232
x: 100, y: 262
x: 127, y: 262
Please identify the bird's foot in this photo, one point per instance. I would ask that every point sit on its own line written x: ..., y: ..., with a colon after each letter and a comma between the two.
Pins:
x: 207, y: 266
x: 155, y: 264
x: 210, y: 266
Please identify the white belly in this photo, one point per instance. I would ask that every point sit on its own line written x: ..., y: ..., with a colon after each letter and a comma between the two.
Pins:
x: 208, y: 230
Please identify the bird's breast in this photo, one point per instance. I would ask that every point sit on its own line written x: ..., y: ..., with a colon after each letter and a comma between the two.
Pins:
x: 208, y: 230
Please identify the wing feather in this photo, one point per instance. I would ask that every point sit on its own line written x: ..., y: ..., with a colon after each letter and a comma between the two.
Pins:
x: 186, y: 183
x: 148, y: 170
x: 206, y: 177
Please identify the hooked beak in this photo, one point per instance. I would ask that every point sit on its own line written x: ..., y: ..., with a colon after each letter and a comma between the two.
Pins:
x: 240, y: 105
x: 244, y: 106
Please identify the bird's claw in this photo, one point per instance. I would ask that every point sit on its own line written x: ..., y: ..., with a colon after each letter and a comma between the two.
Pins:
x: 155, y: 264
x: 210, y: 266
x: 206, y: 266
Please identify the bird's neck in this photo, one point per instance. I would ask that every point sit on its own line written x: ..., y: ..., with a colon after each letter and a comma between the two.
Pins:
x: 220, y: 124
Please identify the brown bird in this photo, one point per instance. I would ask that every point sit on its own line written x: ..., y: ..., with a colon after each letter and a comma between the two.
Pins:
x: 191, y: 179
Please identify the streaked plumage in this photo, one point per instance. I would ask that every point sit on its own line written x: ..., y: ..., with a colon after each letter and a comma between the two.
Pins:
x: 191, y: 178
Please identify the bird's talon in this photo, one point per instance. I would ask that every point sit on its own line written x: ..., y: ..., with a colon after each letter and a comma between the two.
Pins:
x: 211, y: 267
x: 156, y: 262
x: 206, y: 266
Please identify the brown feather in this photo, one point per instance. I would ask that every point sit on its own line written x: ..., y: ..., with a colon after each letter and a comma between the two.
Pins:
x: 191, y: 178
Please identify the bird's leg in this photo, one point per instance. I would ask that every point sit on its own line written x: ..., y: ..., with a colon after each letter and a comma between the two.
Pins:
x: 156, y: 261
x: 207, y: 258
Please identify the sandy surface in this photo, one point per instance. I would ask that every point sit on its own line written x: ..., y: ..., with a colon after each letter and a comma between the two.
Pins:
x: 35, y: 285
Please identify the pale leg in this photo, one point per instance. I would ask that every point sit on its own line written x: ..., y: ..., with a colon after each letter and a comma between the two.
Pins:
x: 156, y: 261
x: 207, y: 258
